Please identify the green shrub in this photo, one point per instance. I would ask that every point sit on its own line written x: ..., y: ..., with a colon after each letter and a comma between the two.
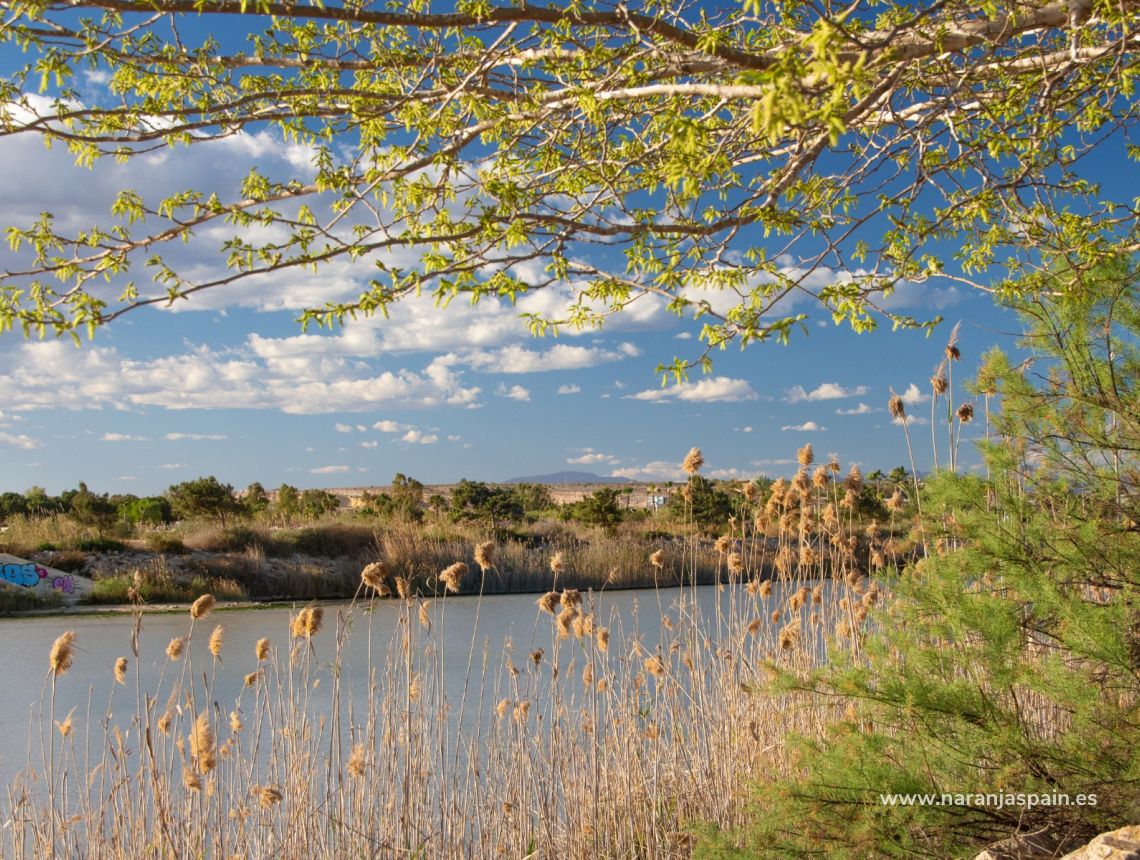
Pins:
x: 164, y: 542
x: 15, y: 600
x: 1006, y: 662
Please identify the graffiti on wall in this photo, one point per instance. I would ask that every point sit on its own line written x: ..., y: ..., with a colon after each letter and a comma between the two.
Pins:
x: 30, y: 575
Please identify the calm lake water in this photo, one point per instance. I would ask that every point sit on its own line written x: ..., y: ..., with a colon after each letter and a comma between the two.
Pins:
x: 502, y: 628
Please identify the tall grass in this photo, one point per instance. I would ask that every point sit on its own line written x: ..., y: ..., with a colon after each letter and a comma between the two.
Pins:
x: 612, y: 741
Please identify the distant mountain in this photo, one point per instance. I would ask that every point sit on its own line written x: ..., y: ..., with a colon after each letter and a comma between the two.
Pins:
x: 568, y: 478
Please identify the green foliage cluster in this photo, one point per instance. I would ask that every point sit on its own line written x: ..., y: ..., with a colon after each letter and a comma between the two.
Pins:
x: 1007, y: 660
x: 498, y: 505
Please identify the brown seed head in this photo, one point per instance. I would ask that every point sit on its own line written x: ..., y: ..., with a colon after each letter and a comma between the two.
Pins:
x: 693, y: 461
x: 175, y: 648
x: 966, y: 413
x: 548, y: 602
x: 191, y: 780
x: 268, y: 796
x: 820, y: 478
x: 805, y: 456
x: 357, y: 766
x: 121, y: 670
x: 216, y: 638
x: 657, y: 558
x: 766, y: 588
x: 571, y: 597
x: 723, y: 544
x: 201, y: 607
x: 938, y: 383
x: 236, y: 725
x: 735, y: 562
x: 261, y: 649
x: 654, y: 666
x: 202, y: 745
x: 453, y: 575
x: 557, y: 563
x: 789, y: 637
x: 602, y: 637
x: 374, y: 576
x: 485, y: 555
x: 62, y: 652
x: 896, y: 406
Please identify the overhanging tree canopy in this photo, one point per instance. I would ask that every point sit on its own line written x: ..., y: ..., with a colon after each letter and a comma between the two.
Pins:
x: 727, y: 160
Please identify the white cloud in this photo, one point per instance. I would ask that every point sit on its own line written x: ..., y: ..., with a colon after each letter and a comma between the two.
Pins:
x: 454, y: 438
x: 718, y: 389
x: 56, y: 375
x: 683, y: 336
x: 390, y: 427
x: 372, y: 444
x: 912, y: 396
x: 517, y: 359
x: 861, y: 409
x: 173, y: 466
x: 329, y: 470
x: 123, y: 437
x: 825, y: 391
x: 774, y: 461
x: 732, y: 474
x: 342, y: 428
x: 590, y: 457
x: 909, y: 419
x: 569, y: 389
x: 126, y: 478
x: 658, y: 470
x: 515, y: 392
x: 743, y: 429
x: 806, y: 427
x: 417, y: 437
x: 22, y: 441
x: 194, y: 437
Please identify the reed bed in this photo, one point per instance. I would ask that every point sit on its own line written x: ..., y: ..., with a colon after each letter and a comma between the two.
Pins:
x: 614, y: 740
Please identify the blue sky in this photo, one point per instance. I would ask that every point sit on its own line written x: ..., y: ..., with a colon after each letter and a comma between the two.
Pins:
x: 227, y: 384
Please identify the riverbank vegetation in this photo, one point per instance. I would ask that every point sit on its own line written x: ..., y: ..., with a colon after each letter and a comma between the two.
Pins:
x: 293, y: 544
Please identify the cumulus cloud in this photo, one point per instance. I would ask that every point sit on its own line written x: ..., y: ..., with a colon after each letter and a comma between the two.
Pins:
x: 418, y: 437
x: 913, y: 396
x: 657, y: 470
x: 194, y: 437
x: 909, y: 419
x: 515, y: 392
x: 518, y: 359
x: 825, y: 391
x: 390, y: 427
x: 569, y: 389
x: 329, y: 470
x: 342, y: 428
x: 806, y: 427
x: 732, y: 474
x: 590, y: 457
x: 22, y: 441
x: 861, y: 409
x: 123, y: 437
x: 56, y: 375
x: 718, y: 389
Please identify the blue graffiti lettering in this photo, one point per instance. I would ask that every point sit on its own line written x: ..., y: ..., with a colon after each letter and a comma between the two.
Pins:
x: 29, y: 576
x: 21, y: 574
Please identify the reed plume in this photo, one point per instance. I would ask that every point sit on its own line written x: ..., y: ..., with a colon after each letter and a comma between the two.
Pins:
x: 62, y: 653
x: 201, y: 607
x: 121, y: 670
x: 485, y: 555
x: 693, y: 461
x: 453, y: 575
